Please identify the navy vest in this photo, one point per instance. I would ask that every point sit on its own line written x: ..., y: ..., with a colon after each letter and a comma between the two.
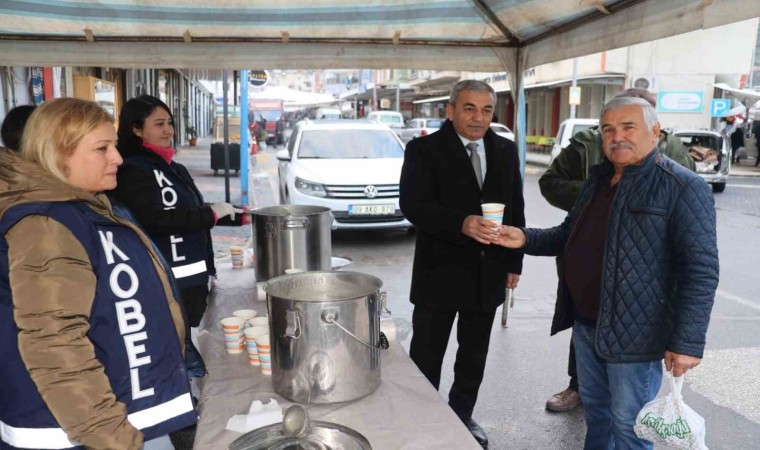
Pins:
x: 129, y: 328
x: 188, y: 254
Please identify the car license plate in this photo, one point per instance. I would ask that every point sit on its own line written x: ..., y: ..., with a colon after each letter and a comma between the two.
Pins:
x: 371, y: 210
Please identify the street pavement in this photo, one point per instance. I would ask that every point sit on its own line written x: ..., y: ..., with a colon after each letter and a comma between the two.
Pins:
x: 525, y: 365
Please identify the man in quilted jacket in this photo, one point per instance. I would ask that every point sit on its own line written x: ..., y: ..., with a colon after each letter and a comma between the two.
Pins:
x: 560, y: 185
x: 638, y: 273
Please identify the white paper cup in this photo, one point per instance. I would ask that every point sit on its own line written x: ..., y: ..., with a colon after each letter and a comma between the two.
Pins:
x: 263, y: 339
x: 250, y: 344
x: 233, y: 334
x: 257, y: 330
x: 236, y: 255
x: 233, y: 323
x: 264, y: 350
x: 493, y: 212
x: 259, y: 321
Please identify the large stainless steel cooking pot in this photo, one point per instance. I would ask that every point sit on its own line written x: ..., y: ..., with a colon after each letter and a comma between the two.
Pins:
x: 291, y: 237
x: 321, y: 436
x: 326, y: 341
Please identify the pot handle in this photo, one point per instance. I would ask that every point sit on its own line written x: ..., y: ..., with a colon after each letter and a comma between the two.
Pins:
x: 383, y: 305
x: 292, y: 324
x: 330, y: 316
x: 294, y: 223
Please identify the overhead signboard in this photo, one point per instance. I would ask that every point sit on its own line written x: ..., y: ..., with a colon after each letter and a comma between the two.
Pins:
x: 258, y: 78
x: 680, y: 101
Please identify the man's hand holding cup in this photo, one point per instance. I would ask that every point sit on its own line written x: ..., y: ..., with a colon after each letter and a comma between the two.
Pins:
x: 484, y: 229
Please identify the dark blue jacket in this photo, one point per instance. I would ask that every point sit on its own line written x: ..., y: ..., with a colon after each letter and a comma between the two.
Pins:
x: 660, y: 267
x: 130, y: 328
x: 168, y: 205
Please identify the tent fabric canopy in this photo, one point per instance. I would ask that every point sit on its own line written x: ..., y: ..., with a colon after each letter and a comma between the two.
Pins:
x: 474, y: 35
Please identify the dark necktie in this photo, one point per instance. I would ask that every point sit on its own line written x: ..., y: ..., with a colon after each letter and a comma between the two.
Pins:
x: 475, y: 160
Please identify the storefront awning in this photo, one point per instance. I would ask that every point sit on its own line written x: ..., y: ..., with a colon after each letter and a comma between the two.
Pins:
x: 743, y: 95
x: 606, y: 79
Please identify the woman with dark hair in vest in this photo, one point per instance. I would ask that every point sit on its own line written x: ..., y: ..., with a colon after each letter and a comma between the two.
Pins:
x: 92, y: 336
x: 164, y: 199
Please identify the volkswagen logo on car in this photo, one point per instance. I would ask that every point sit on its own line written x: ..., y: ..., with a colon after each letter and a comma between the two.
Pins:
x: 370, y: 191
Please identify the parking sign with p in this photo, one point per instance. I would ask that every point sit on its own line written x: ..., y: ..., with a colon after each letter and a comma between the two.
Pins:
x: 719, y: 107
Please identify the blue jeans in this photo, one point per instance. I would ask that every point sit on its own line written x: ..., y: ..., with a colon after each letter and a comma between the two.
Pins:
x: 612, y: 394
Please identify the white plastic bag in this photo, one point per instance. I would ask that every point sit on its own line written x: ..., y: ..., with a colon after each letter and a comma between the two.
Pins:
x: 668, y: 421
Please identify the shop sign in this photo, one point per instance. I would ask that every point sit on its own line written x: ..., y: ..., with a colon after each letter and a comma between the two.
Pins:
x: 680, y: 101
x: 258, y: 78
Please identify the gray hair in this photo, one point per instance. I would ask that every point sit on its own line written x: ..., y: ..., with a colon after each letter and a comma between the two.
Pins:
x: 470, y: 85
x: 650, y: 115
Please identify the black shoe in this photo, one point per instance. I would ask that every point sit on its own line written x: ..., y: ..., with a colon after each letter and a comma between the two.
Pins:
x: 477, y: 432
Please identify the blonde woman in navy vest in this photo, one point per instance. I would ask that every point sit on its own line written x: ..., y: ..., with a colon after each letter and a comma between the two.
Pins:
x: 91, y: 335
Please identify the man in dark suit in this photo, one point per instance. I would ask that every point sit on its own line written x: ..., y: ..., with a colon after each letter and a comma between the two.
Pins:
x: 456, y: 269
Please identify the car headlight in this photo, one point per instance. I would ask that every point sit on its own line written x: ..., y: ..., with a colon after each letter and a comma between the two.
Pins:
x: 309, y: 188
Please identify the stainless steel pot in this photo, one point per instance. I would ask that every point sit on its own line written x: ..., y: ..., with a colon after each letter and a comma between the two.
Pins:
x: 326, y: 341
x: 321, y: 436
x: 291, y: 237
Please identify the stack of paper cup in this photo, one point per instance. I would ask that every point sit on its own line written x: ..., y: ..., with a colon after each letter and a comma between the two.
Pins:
x: 493, y: 212
x: 233, y: 334
x: 236, y: 252
x: 245, y: 314
x: 265, y: 356
x: 250, y: 343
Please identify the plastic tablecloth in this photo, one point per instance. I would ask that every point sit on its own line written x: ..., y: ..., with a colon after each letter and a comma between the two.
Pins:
x: 405, y: 412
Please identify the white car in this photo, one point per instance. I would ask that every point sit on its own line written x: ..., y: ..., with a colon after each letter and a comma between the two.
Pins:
x: 393, y: 119
x: 503, y: 131
x: 567, y: 129
x: 352, y: 167
x: 710, y: 152
x: 419, y: 127
x: 327, y: 113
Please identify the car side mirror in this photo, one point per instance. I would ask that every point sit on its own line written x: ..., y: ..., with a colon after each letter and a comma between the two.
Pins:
x: 283, y: 155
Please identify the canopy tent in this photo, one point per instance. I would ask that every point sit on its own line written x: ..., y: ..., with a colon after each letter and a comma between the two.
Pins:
x: 475, y: 35
x: 469, y: 35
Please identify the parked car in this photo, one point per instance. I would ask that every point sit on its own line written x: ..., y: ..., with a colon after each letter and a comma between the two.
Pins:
x: 350, y: 166
x: 503, y: 131
x: 393, y: 119
x: 567, y: 129
x: 327, y: 113
x: 419, y: 127
x: 710, y: 153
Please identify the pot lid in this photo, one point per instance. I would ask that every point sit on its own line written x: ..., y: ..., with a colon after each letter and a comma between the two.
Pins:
x: 321, y: 436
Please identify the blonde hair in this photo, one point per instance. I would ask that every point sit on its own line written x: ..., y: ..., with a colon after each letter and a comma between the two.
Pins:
x: 55, y: 129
